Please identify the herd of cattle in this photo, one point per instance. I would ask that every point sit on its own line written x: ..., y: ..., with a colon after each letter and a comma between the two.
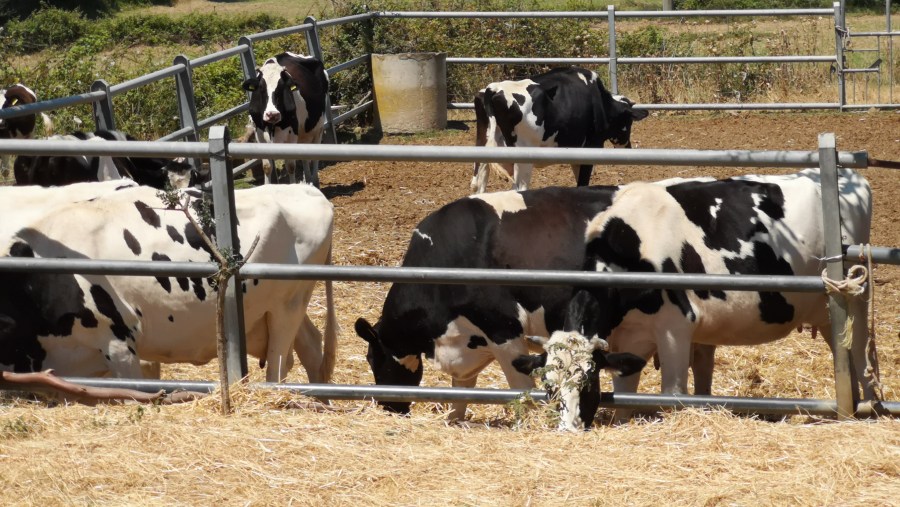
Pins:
x: 107, y: 208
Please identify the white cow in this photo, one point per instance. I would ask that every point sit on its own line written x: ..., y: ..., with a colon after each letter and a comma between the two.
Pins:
x: 96, y: 325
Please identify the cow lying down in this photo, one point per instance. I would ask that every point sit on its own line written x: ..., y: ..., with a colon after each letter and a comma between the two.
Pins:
x: 749, y: 225
x: 92, y: 325
x: 58, y: 170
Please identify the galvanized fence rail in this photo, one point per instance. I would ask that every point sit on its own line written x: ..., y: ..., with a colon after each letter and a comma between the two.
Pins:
x: 220, y: 150
x: 101, y: 93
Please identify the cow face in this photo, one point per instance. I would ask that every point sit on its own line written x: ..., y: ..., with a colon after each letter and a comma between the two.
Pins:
x: 387, y: 368
x: 571, y: 363
x: 271, y: 97
x: 620, y: 119
x: 23, y: 126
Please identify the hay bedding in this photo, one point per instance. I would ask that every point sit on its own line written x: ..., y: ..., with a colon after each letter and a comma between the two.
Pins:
x: 269, y: 454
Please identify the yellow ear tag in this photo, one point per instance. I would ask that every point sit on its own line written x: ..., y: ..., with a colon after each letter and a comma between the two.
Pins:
x: 14, y: 102
x: 293, y: 88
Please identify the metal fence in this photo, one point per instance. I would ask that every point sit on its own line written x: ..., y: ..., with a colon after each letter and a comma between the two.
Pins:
x: 101, y: 93
x: 220, y: 150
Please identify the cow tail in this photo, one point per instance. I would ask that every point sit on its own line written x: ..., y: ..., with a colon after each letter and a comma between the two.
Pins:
x: 331, y: 330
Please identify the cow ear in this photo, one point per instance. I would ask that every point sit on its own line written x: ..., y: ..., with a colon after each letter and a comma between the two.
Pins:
x: 624, y: 363
x: 250, y: 84
x: 526, y: 364
x: 365, y: 330
x: 288, y: 81
x: 638, y: 114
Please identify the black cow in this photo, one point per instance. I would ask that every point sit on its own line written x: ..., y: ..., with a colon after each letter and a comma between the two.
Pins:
x: 463, y: 328
x: 57, y: 170
x: 287, y: 105
x: 566, y: 107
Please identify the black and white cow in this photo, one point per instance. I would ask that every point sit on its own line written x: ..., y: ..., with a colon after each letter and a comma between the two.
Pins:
x: 288, y: 97
x: 463, y: 328
x: 751, y: 225
x: 57, y: 170
x: 20, y: 127
x: 102, y: 325
x: 567, y: 107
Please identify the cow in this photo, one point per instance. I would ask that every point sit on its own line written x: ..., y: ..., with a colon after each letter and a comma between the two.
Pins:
x: 463, y: 328
x: 87, y: 325
x: 288, y: 97
x: 20, y: 127
x: 58, y: 170
x: 750, y: 225
x: 567, y: 107
x: 573, y: 374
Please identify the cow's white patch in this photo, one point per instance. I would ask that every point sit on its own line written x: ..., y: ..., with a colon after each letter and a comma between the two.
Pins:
x: 503, y: 202
x: 452, y: 354
x: 621, y: 98
x: 533, y: 323
x: 410, y: 362
x: 714, y: 209
x: 424, y: 236
x: 271, y: 74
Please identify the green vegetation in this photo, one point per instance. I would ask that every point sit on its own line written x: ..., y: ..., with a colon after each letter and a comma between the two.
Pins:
x: 59, y: 51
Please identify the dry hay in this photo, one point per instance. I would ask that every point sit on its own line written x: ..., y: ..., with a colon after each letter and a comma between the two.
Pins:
x: 267, y: 453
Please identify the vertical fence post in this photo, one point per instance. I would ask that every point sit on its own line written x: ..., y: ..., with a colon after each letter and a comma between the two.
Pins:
x: 187, y: 106
x: 839, y: 54
x: 103, y: 108
x: 227, y: 239
x: 837, y: 304
x: 613, y: 71
x: 315, y: 49
x: 248, y: 66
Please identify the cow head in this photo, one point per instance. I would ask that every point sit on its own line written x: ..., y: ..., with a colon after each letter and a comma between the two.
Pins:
x: 387, y: 367
x: 20, y: 127
x: 271, y: 96
x: 621, y: 115
x: 572, y: 362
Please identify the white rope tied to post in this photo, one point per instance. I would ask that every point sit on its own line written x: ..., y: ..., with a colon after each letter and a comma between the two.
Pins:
x: 865, y: 255
x: 855, y: 285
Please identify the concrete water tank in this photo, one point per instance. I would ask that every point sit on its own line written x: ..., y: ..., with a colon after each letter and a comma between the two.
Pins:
x: 410, y: 91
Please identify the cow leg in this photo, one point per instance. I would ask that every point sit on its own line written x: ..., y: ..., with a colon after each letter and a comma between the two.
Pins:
x: 283, y: 329
x: 458, y: 409
x: 480, y: 176
x: 308, y: 345
x: 627, y: 384
x: 582, y: 174
x: 674, y: 360
x: 311, y: 172
x: 290, y: 166
x: 522, y: 176
x: 702, y: 363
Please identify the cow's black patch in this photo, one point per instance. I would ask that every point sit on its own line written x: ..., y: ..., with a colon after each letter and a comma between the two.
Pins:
x: 132, y: 242
x: 163, y: 280
x: 194, y: 240
x: 199, y: 291
x: 148, y: 214
x: 171, y: 318
x: 184, y: 283
x: 132, y: 351
x: 138, y: 312
x: 476, y: 341
x: 174, y: 234
x: 107, y: 307
x: 678, y: 297
x: 692, y: 263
